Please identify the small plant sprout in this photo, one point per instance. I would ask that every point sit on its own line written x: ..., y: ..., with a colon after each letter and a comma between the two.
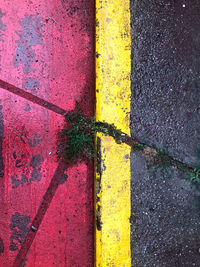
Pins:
x: 194, y: 176
x: 77, y: 138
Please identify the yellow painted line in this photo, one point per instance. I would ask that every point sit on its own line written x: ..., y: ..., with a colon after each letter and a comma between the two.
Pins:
x: 113, y: 68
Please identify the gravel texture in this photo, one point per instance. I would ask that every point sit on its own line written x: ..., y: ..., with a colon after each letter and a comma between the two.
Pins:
x: 165, y: 110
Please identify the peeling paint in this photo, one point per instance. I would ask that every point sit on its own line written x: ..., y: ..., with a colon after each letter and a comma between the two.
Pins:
x: 31, y: 84
x: 35, y: 163
x: 27, y: 108
x: 98, y: 185
x: 99, y: 156
x: 23, y: 136
x: 19, y: 227
x: 19, y: 162
x: 58, y: 56
x: 98, y: 218
x: 2, y: 26
x: 34, y: 141
x: 16, y: 181
x: 113, y: 54
x: 28, y: 175
x: 30, y: 35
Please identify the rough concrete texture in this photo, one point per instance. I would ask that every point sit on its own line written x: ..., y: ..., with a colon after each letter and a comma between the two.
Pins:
x: 165, y: 109
x: 2, y: 26
x: 30, y: 35
x: 46, y: 48
x: 165, y: 221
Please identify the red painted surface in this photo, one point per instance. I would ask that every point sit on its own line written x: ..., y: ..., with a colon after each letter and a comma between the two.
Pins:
x: 46, y: 48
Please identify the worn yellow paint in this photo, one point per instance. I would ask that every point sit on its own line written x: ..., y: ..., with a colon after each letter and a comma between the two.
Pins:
x: 113, y: 67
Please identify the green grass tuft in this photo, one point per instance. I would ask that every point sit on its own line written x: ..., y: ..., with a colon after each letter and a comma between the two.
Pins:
x: 76, y: 140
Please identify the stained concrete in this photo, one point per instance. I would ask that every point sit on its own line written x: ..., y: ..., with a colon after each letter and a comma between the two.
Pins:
x: 19, y: 227
x: 2, y: 25
x: 165, y: 109
x: 30, y: 35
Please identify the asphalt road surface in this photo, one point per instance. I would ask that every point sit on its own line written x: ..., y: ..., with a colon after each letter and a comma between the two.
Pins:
x: 165, y: 110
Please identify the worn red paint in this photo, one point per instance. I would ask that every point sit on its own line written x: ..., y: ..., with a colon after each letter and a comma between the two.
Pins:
x: 43, y: 207
x: 48, y: 51
x: 32, y: 98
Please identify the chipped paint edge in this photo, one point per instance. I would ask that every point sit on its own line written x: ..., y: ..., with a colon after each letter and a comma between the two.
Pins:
x: 113, y: 94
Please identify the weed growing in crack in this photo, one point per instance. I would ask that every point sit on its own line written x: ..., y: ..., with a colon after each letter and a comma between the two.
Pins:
x: 194, y: 176
x: 164, y: 163
x: 77, y: 138
x: 138, y: 147
x: 161, y: 161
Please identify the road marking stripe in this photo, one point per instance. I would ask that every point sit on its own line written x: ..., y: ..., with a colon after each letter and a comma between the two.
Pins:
x: 113, y: 68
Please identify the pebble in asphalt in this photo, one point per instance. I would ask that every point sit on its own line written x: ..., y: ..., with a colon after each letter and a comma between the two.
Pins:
x: 165, y: 217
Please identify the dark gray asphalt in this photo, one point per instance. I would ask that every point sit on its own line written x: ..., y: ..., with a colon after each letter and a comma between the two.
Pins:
x: 165, y: 109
